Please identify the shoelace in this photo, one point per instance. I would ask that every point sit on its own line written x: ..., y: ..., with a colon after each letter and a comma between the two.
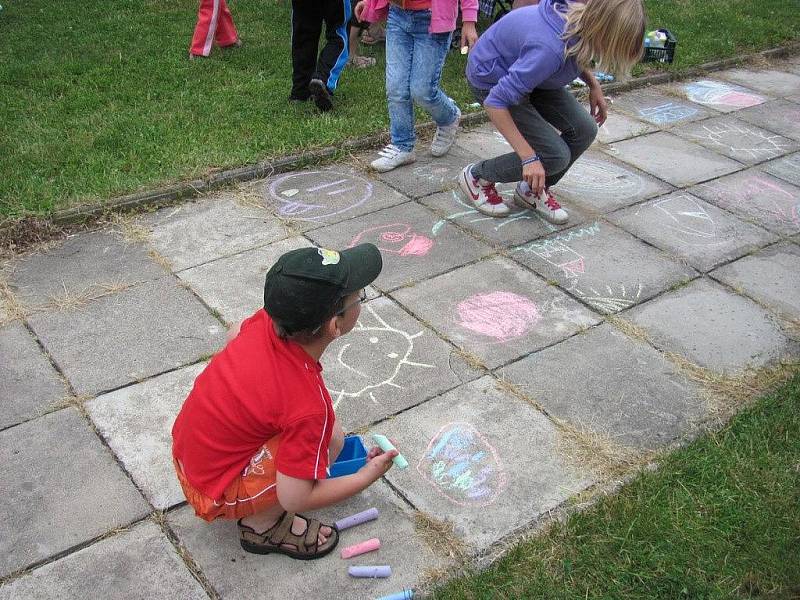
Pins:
x: 551, y: 202
x: 390, y: 151
x: 491, y: 194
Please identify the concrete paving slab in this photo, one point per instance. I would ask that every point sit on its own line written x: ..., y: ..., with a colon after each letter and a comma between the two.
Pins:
x: 80, y: 267
x: 197, y: 232
x: 504, y: 313
x: 601, y: 184
x: 429, y: 175
x: 774, y: 82
x: 719, y: 95
x: 615, y: 386
x: 125, y: 337
x: 490, y: 467
x: 29, y: 384
x: 713, y: 328
x: 60, y: 487
x: 672, y: 159
x: 787, y: 168
x: 656, y: 106
x: 603, y: 266
x: 403, y: 234
x: 234, y: 286
x: 388, y: 363
x: 756, y: 197
x: 140, y: 563
x: 619, y: 126
x: 136, y: 423
x: 484, y: 142
x: 779, y: 116
x: 322, y: 196
x: 521, y: 225
x: 689, y: 227
x: 235, y: 574
x: 770, y: 276
x: 737, y: 139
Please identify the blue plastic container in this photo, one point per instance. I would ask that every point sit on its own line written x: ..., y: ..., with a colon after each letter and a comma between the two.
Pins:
x: 351, y: 459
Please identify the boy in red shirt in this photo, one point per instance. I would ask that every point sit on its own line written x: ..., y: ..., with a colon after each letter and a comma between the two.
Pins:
x: 254, y: 439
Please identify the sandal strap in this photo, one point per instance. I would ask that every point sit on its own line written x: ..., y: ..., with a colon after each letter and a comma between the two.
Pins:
x: 281, y: 529
x: 312, y: 534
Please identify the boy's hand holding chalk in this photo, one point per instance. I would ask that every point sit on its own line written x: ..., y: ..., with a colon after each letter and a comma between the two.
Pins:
x: 387, y: 446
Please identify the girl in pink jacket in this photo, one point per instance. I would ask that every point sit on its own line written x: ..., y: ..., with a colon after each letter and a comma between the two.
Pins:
x: 418, y: 36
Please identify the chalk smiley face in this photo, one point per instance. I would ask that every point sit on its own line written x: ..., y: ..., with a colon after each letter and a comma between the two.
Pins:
x: 318, y: 195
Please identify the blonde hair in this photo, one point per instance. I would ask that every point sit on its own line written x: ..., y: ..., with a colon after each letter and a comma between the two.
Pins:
x: 610, y: 32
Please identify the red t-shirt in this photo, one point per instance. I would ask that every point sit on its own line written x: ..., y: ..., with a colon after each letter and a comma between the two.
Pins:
x: 257, y: 387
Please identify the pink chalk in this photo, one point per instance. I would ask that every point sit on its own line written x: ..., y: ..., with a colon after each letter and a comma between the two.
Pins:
x: 362, y: 548
x: 357, y: 519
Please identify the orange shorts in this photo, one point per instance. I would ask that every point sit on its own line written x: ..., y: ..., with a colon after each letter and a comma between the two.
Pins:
x: 251, y: 492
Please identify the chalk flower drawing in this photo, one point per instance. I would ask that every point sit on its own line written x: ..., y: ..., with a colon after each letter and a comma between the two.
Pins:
x: 371, y: 359
x: 316, y: 195
x: 716, y: 93
x: 462, y: 466
x: 395, y: 238
x: 500, y: 315
x: 669, y: 112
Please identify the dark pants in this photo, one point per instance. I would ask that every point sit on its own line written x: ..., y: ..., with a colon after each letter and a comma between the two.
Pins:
x: 535, y: 119
x: 308, y: 17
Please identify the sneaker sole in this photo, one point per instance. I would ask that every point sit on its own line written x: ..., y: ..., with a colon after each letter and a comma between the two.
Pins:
x: 462, y: 183
x: 320, y: 95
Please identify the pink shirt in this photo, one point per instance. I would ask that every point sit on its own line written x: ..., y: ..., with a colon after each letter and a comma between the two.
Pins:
x: 443, y: 13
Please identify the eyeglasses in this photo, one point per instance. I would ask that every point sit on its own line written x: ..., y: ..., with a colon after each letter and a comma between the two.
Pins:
x: 362, y: 297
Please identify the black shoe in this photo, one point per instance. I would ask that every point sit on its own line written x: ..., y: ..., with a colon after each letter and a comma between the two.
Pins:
x: 293, y: 98
x: 321, y: 95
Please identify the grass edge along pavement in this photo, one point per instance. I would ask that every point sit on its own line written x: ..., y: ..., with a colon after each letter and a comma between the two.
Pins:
x: 14, y: 229
x: 717, y: 518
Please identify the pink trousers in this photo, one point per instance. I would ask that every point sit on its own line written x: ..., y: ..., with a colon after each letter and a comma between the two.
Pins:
x: 214, y: 23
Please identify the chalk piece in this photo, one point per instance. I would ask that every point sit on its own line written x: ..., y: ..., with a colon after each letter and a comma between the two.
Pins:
x: 404, y: 595
x: 386, y: 445
x: 362, y: 548
x: 370, y: 571
x: 367, y: 515
x: 464, y: 49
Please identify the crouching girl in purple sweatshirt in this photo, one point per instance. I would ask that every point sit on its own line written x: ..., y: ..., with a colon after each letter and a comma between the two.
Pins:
x: 518, y: 70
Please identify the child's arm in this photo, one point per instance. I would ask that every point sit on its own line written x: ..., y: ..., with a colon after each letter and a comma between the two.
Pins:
x: 597, y: 102
x: 298, y: 495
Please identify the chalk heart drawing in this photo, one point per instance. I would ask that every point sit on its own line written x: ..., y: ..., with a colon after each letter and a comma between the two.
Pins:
x: 395, y: 238
x: 760, y: 196
x: 462, y: 466
x: 689, y: 220
x: 669, y: 112
x: 371, y: 359
x: 317, y: 195
x: 715, y: 93
x: 596, y: 178
x: 499, y: 315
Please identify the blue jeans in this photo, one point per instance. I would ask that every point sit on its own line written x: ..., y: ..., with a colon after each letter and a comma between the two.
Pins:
x: 414, y: 61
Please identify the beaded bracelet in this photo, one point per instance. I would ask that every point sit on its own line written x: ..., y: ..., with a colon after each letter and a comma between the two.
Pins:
x: 530, y: 159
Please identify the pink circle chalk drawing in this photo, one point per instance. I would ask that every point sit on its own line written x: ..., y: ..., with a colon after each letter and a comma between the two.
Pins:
x: 499, y: 315
x: 462, y: 466
x: 395, y: 238
x: 317, y: 195
x: 716, y: 93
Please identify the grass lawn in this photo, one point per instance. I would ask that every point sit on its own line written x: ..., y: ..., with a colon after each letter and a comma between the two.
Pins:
x: 99, y: 98
x: 719, y: 519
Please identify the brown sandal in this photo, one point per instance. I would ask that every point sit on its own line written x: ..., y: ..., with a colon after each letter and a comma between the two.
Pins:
x: 307, y: 546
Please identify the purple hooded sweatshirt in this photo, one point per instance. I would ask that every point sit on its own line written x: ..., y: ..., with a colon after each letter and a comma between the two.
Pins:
x: 521, y: 52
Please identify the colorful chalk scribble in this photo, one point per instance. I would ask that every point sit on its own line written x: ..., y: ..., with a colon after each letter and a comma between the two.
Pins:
x: 499, y: 315
x: 667, y: 113
x: 318, y: 195
x: 462, y: 466
x: 395, y: 238
x: 725, y: 95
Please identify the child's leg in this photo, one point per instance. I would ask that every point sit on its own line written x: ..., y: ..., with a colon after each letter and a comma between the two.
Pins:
x: 226, y: 30
x: 578, y: 129
x: 206, y: 28
x: 399, y: 48
x: 429, y: 53
x: 333, y: 56
x: 306, y: 29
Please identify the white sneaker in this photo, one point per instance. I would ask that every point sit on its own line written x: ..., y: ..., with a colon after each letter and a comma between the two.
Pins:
x: 546, y: 205
x: 482, y: 194
x: 445, y: 136
x: 392, y: 157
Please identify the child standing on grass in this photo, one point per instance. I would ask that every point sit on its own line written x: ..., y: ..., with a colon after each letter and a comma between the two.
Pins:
x: 518, y: 70
x: 214, y: 24
x: 254, y: 439
x: 418, y: 36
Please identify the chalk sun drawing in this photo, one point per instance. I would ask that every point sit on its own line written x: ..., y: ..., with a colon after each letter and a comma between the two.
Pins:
x: 742, y: 141
x: 716, y: 93
x: 610, y: 298
x: 669, y: 112
x: 499, y: 315
x: 462, y: 466
x: 607, y: 180
x: 388, y: 350
x: 317, y: 195
x: 395, y: 238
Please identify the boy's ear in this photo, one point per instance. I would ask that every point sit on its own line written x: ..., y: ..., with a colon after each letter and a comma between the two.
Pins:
x: 331, y: 327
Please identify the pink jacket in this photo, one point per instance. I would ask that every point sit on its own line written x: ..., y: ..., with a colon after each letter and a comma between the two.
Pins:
x: 443, y: 13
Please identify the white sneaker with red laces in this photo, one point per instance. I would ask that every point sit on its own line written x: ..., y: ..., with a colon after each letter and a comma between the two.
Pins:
x: 482, y: 194
x: 546, y: 205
